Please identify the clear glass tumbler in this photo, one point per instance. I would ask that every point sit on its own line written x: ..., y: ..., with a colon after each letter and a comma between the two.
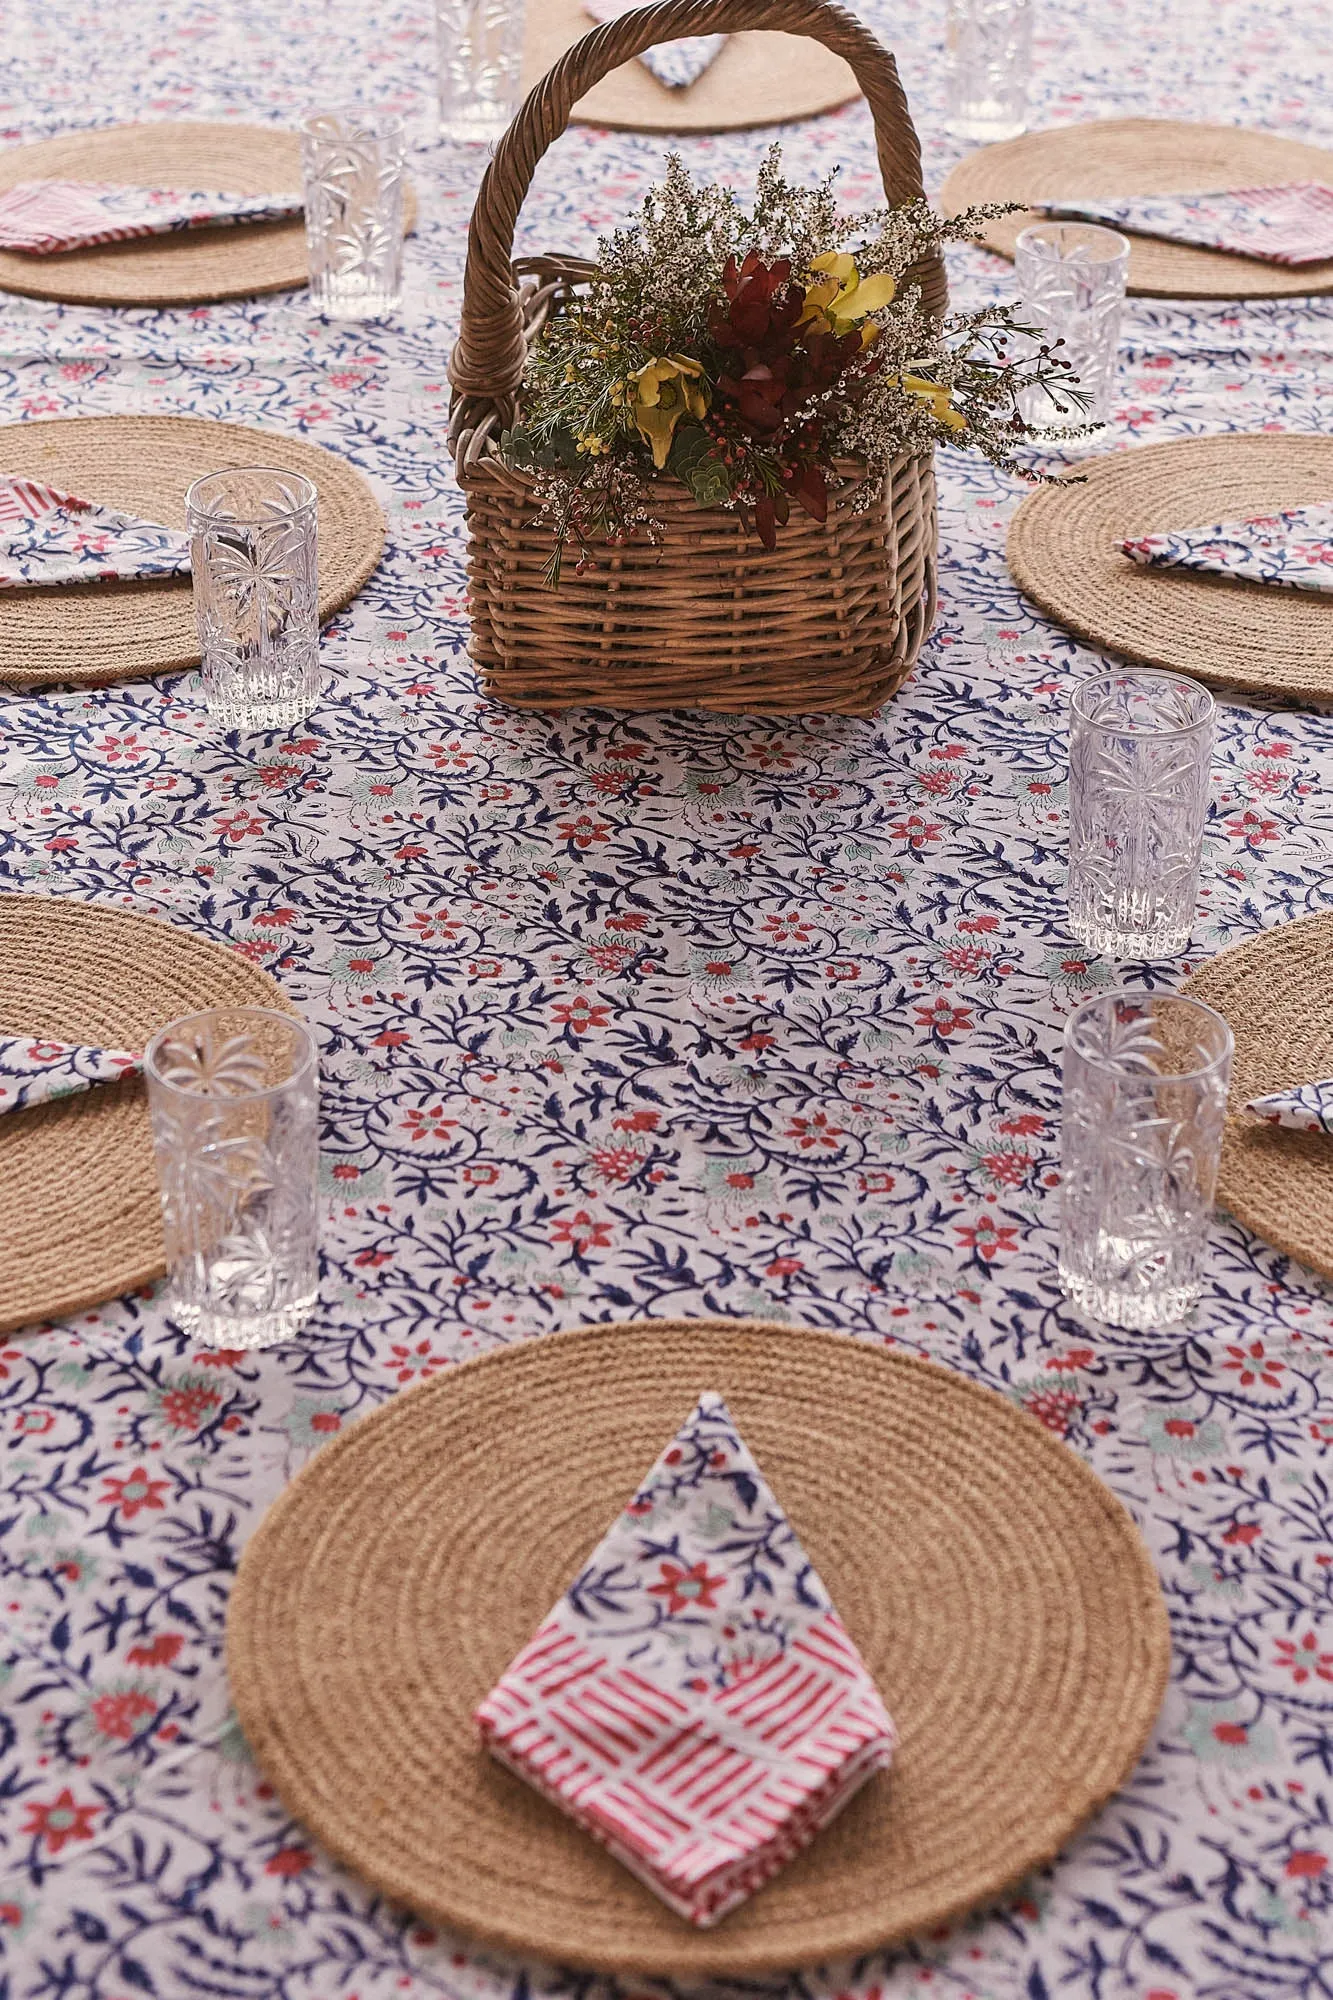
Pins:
x: 987, y: 62
x: 234, y: 1098
x: 1145, y: 1093
x: 1071, y: 286
x: 253, y: 554
x: 480, y: 59
x: 1140, y: 756
x: 352, y: 163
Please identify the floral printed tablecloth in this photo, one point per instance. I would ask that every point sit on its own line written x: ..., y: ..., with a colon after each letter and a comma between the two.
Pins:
x: 644, y: 1015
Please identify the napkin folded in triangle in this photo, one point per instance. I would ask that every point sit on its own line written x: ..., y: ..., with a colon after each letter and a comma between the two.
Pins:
x: 677, y: 64
x: 1293, y: 548
x: 44, y: 217
x: 35, y: 1070
x: 1289, y: 224
x: 694, y: 1701
x: 50, y: 537
x: 1306, y: 1107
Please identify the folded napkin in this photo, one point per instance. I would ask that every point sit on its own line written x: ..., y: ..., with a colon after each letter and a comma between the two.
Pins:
x: 41, y: 217
x: 1291, y: 224
x: 34, y: 1070
x: 1293, y: 548
x: 693, y: 1700
x: 51, y: 537
x: 1306, y: 1107
x: 677, y: 64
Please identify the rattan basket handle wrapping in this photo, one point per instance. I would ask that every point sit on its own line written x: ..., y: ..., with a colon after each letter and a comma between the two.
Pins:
x: 488, y: 359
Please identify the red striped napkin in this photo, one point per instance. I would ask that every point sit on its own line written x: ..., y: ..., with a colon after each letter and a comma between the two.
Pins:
x: 44, y: 217
x: 693, y: 1700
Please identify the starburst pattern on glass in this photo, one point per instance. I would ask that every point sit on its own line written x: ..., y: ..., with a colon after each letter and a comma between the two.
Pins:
x: 352, y: 162
x: 1145, y: 1093
x: 480, y: 52
x: 1071, y: 283
x: 1140, y: 753
x: 253, y: 553
x: 987, y: 60
x: 234, y: 1097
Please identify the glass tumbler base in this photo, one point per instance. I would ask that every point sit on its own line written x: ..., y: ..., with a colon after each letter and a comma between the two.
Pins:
x: 1123, y: 1305
x: 257, y: 716
x: 349, y: 300
x: 475, y: 124
x: 243, y: 1330
x: 985, y: 127
x: 1110, y: 941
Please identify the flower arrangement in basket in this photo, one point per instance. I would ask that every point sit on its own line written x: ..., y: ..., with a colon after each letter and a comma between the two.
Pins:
x: 701, y: 474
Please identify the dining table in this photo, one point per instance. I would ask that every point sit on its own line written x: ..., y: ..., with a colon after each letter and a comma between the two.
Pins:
x: 632, y: 1015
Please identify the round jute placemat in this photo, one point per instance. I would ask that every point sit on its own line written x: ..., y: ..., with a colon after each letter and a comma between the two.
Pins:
x: 998, y: 1592
x: 89, y: 634
x: 757, y: 79
x: 78, y: 1194
x: 1064, y: 553
x: 189, y: 267
x: 1276, y: 990
x: 1121, y: 156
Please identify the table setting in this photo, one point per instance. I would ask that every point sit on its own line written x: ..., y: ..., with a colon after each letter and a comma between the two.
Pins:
x: 664, y: 942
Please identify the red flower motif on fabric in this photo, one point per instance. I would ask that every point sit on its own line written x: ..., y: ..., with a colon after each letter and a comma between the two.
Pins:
x: 580, y: 1015
x: 135, y: 1492
x: 581, y: 1232
x: 119, y: 1715
x: 189, y: 1407
x: 687, y: 1589
x: 61, y: 1821
x: 1302, y: 1657
x: 159, y: 1651
x: 1252, y: 1364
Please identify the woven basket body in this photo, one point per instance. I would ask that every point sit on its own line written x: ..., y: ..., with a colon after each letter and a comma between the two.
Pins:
x: 832, y: 620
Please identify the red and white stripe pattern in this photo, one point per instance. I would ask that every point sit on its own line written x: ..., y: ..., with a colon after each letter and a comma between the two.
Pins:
x: 42, y: 218
x: 702, y: 1785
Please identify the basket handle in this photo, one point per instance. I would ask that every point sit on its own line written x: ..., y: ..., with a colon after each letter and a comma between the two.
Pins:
x: 488, y: 358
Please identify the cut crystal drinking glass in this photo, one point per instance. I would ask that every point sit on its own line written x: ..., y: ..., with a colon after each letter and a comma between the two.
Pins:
x: 1140, y: 753
x: 352, y: 163
x: 987, y: 62
x: 1071, y: 287
x: 1145, y: 1092
x: 234, y: 1099
x: 253, y: 555
x: 480, y: 58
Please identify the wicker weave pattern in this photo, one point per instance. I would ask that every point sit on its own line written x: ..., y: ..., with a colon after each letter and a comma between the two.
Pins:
x: 833, y: 620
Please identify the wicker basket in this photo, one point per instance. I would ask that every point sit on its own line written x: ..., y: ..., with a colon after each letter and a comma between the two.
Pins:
x: 832, y: 621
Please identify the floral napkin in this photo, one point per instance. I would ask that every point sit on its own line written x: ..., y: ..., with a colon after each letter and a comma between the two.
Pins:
x: 677, y: 64
x: 1306, y: 1107
x: 49, y: 537
x: 1291, y: 224
x: 1293, y: 548
x: 41, y: 217
x: 693, y: 1700
x: 35, y: 1071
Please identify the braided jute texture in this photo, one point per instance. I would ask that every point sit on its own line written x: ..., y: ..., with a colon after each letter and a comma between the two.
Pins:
x: 189, y: 267
x: 1276, y: 990
x: 830, y: 622
x: 1123, y: 156
x: 79, y: 1217
x: 1064, y: 553
x: 86, y: 635
x: 998, y: 1592
x: 757, y: 79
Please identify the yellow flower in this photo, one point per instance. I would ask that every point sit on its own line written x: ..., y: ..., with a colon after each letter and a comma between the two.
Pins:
x: 839, y: 298
x: 938, y: 397
x: 592, y: 445
x: 665, y: 391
